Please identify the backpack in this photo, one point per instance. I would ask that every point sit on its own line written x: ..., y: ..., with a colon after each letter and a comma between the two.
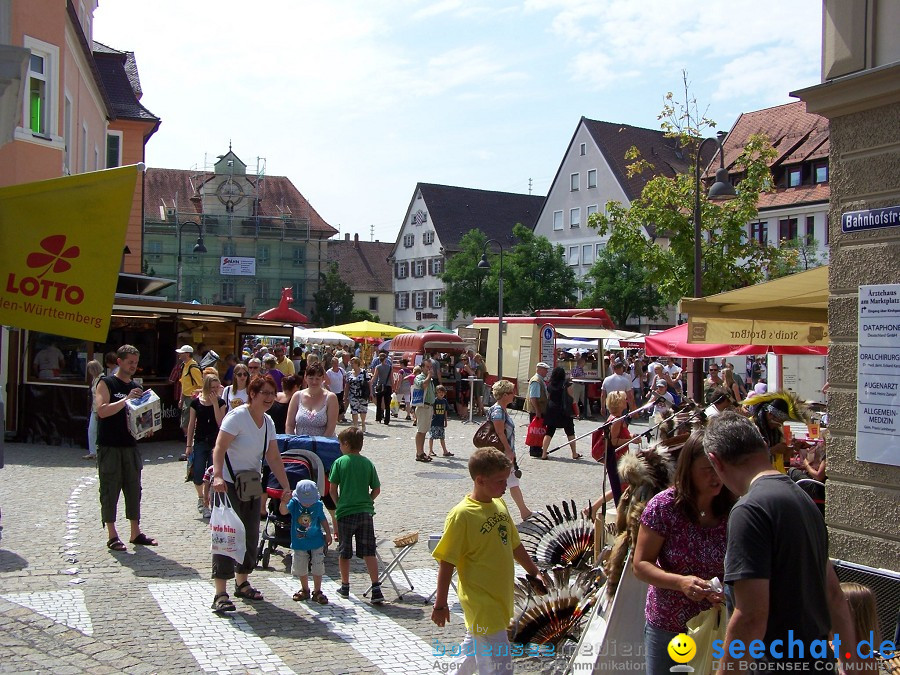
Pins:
x: 175, y: 378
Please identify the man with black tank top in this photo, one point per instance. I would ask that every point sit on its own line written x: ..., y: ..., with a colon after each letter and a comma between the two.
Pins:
x: 119, y: 461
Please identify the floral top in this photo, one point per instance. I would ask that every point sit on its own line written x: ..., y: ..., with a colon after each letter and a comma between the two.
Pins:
x: 355, y: 384
x: 688, y: 549
x: 311, y: 422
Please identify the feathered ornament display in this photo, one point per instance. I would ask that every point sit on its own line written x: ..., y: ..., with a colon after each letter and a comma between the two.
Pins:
x: 785, y: 404
x: 553, y: 617
x: 564, y: 537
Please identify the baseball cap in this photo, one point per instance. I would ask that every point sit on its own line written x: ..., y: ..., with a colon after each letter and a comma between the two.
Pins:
x: 306, y: 492
x: 185, y: 349
x: 760, y: 388
x: 618, y: 364
x: 541, y: 364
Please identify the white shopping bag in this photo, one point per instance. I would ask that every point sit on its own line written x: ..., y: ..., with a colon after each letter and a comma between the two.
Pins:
x: 226, y: 529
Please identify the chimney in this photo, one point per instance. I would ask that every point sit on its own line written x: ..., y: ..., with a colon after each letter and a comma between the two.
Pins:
x: 346, y: 236
x: 355, y: 240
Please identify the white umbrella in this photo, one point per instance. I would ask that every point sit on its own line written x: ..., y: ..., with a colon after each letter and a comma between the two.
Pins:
x: 321, y: 337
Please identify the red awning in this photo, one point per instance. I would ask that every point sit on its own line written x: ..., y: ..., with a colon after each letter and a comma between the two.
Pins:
x: 674, y: 342
x: 285, y: 314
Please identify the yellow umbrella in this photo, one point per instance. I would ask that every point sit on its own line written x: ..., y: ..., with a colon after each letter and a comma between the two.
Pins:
x: 364, y: 329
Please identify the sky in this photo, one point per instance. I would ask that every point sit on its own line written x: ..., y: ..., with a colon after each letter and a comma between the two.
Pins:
x: 357, y: 101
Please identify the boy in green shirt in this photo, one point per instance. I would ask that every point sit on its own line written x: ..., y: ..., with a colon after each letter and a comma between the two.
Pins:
x: 481, y: 541
x: 354, y: 487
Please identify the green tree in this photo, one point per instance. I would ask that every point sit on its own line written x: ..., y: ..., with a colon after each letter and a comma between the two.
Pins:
x: 363, y: 315
x: 464, y: 281
x: 620, y: 285
x: 333, y: 293
x: 729, y: 258
x: 806, y: 256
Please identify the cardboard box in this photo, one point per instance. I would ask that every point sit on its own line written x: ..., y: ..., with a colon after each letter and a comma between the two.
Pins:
x: 144, y: 414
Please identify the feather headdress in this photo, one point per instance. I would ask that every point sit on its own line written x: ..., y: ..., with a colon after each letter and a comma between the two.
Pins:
x: 784, y: 404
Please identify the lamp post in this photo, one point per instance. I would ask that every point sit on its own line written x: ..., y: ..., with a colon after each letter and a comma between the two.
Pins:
x: 335, y: 308
x: 721, y: 190
x: 198, y: 248
x: 485, y: 265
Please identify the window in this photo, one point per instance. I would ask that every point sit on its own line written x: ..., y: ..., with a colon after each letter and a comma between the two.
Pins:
x: 401, y: 270
x: 113, y: 149
x: 591, y: 210
x: 418, y: 268
x: 437, y: 299
x: 575, y: 182
x: 573, y: 255
x: 262, y: 289
x: 153, y: 251
x: 599, y: 250
x: 810, y: 230
x: 40, y: 103
x: 96, y: 158
x: 557, y: 220
x: 373, y: 303
x: 420, y: 299
x: 401, y: 300
x: 299, y: 255
x: 229, y: 249
x: 298, y: 288
x: 583, y: 149
x: 821, y: 173
x: 427, y: 238
x: 794, y: 176
x: 409, y: 240
x: 38, y: 94
x: 592, y: 178
x: 437, y: 266
x: 262, y: 256
x: 191, y: 289
x: 228, y: 290
x: 787, y: 229
x: 84, y: 146
x: 587, y: 254
x: 575, y: 217
x: 67, y: 137
x: 759, y: 232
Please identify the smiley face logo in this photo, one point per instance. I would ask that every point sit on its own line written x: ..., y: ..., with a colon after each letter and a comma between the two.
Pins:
x: 682, y: 648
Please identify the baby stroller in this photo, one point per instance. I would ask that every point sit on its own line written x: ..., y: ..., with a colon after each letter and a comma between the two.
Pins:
x: 299, y: 464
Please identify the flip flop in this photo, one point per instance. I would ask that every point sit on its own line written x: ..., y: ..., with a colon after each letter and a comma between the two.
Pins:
x: 115, y: 544
x: 448, y: 454
x: 423, y: 458
x: 577, y: 456
x: 143, y: 540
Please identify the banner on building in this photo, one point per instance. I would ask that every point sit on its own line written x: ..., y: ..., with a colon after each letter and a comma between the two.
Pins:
x: 707, y: 330
x: 61, y: 244
x: 237, y: 266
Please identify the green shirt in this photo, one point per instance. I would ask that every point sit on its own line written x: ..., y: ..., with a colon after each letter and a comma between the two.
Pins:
x: 356, y: 476
x: 429, y: 390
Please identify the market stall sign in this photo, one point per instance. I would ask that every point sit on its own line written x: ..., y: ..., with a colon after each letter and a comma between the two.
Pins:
x: 871, y: 219
x: 708, y: 330
x: 61, y: 243
x: 878, y: 375
x: 237, y: 266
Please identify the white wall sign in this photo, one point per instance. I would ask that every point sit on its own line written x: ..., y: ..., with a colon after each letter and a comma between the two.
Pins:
x: 548, y: 344
x: 239, y: 267
x: 878, y: 375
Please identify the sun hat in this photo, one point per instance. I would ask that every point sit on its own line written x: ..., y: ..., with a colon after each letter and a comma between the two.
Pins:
x: 306, y: 492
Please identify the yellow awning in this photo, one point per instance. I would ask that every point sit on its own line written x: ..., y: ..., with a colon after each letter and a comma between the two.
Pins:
x: 792, y: 310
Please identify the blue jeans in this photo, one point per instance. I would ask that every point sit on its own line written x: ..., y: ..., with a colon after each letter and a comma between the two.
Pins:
x: 201, y: 458
x: 656, y: 643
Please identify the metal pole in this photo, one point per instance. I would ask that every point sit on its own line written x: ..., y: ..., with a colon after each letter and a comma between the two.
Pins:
x: 178, y: 273
x: 697, y: 378
x: 500, y: 321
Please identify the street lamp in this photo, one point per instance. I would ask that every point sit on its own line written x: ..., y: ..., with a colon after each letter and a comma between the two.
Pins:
x: 336, y: 308
x: 485, y: 265
x: 198, y: 248
x: 721, y: 190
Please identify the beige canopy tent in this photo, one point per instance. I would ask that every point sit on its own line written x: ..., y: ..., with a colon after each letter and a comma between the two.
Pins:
x: 792, y: 310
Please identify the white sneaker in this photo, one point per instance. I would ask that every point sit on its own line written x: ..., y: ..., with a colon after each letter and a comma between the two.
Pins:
x: 206, y: 513
x: 199, y: 503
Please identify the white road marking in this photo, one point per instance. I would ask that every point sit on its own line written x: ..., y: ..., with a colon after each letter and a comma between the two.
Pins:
x: 65, y: 607
x: 219, y: 644
x: 366, y: 629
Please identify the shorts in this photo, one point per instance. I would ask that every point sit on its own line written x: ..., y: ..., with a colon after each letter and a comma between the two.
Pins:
x: 512, y: 481
x: 424, y: 413
x: 361, y: 526
x: 300, y: 562
x: 186, y: 410
x: 568, y: 426
x: 436, y: 433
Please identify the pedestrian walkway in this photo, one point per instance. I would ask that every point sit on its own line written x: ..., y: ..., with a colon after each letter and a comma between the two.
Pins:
x: 68, y: 605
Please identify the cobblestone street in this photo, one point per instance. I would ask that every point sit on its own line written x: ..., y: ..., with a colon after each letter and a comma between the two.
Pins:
x: 68, y: 605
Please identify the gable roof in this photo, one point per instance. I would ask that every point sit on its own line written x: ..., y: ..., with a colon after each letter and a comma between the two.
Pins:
x: 363, y: 264
x: 278, y: 196
x: 614, y: 140
x: 456, y: 210
x: 118, y: 72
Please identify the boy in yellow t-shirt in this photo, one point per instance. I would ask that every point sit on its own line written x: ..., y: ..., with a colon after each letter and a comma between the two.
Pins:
x: 480, y: 540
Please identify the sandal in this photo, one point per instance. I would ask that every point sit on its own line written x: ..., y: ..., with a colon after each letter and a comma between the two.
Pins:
x: 577, y: 456
x: 302, y: 594
x: 115, y: 544
x: 423, y: 458
x: 448, y: 454
x: 143, y: 540
x: 319, y: 597
x: 246, y: 591
x: 222, y: 603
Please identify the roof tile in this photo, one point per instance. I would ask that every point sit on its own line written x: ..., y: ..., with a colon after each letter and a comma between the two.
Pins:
x: 364, y: 264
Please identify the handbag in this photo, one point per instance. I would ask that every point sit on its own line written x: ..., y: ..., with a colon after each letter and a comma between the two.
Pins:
x: 705, y: 628
x: 536, y: 432
x: 365, y: 389
x: 227, y: 534
x: 486, y: 437
x: 417, y: 396
x: 247, y: 484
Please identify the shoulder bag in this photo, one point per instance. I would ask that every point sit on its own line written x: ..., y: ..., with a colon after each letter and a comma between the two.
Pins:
x: 486, y: 436
x: 248, y: 484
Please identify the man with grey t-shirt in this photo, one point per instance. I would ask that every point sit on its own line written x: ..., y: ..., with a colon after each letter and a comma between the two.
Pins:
x: 618, y: 381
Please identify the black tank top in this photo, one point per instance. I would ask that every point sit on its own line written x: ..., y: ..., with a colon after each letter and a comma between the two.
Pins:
x: 113, y: 431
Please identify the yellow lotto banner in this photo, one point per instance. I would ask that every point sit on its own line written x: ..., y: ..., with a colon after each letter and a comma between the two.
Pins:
x: 722, y: 331
x: 61, y: 244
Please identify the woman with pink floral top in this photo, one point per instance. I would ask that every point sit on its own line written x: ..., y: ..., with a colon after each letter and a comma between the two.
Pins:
x: 680, y: 549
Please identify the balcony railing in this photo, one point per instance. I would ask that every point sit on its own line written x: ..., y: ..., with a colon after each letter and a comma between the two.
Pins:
x: 295, y: 229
